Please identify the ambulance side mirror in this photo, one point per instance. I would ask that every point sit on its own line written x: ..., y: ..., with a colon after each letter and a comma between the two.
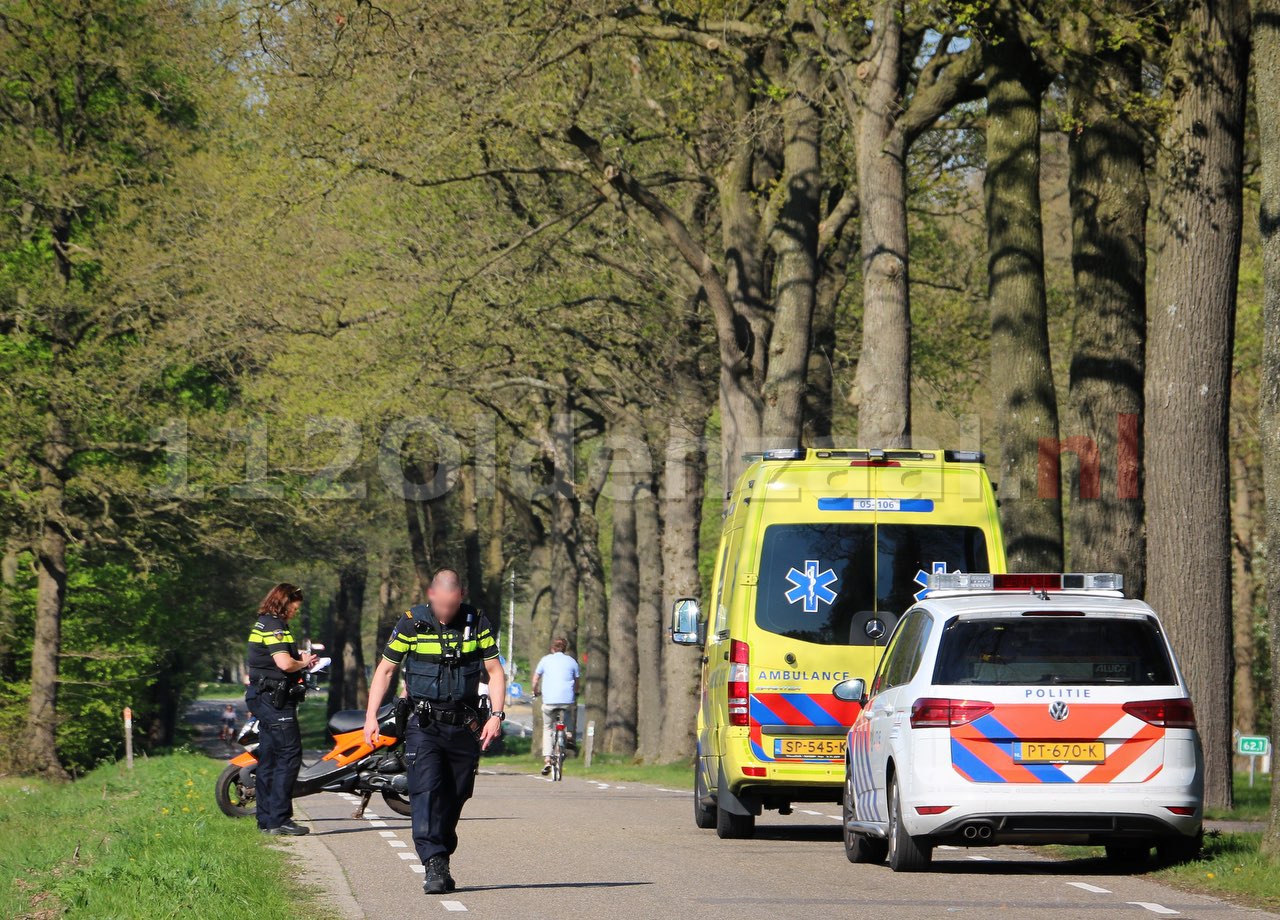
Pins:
x: 686, y: 618
x: 851, y: 691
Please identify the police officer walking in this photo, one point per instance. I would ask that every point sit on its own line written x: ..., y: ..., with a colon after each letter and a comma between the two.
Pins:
x: 275, y: 689
x: 448, y: 650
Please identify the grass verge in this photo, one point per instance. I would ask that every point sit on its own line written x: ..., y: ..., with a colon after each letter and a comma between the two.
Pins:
x: 614, y: 768
x: 143, y: 843
x: 1251, y: 803
x: 1231, y: 868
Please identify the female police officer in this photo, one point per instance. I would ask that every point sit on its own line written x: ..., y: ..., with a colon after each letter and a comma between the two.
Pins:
x: 275, y: 688
x: 448, y: 650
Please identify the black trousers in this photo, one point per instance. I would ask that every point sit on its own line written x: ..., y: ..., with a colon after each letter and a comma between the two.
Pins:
x: 442, y: 775
x: 279, y: 758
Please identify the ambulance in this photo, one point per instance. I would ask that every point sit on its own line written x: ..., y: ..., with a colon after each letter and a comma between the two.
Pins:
x: 820, y: 551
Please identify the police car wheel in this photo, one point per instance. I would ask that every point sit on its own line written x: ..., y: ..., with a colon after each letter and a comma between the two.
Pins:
x: 397, y: 802
x: 231, y: 796
x: 704, y: 816
x: 1132, y: 854
x: 859, y: 848
x: 906, y: 853
x: 1176, y: 850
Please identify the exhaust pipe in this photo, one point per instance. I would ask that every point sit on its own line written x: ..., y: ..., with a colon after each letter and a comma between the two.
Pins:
x: 984, y: 831
x: 979, y: 830
x: 970, y: 832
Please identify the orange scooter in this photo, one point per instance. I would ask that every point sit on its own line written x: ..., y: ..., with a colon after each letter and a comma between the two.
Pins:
x: 351, y: 766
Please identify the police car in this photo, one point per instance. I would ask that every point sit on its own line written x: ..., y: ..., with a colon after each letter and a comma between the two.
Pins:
x: 1023, y: 709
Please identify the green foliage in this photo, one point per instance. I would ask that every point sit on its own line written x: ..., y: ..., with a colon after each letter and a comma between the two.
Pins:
x: 129, y: 639
x: 145, y: 843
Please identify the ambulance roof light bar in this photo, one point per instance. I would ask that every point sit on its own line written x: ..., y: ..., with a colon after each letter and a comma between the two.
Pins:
x: 984, y: 582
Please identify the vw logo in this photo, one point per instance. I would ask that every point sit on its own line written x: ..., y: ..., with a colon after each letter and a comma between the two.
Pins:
x: 1058, y: 710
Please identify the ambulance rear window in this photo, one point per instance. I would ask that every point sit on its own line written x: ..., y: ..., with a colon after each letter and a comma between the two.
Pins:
x: 1047, y: 651
x: 846, y: 584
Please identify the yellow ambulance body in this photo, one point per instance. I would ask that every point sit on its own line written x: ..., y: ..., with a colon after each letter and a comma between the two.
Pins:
x: 820, y: 552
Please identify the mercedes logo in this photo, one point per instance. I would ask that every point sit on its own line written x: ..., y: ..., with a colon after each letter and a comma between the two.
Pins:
x: 1058, y: 710
x: 874, y: 628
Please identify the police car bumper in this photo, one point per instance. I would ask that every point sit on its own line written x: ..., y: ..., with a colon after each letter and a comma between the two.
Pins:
x: 1060, y: 827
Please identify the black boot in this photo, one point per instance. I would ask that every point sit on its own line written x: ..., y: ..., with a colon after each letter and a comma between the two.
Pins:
x: 437, y: 880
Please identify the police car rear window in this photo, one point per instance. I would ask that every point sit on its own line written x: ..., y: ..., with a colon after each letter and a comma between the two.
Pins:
x: 846, y: 584
x: 1046, y: 651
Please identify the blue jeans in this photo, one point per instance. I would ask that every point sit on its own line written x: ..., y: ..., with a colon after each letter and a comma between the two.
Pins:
x: 279, y: 758
x: 442, y: 763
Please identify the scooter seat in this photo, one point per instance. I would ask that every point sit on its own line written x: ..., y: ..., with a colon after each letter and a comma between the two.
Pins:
x: 352, y: 720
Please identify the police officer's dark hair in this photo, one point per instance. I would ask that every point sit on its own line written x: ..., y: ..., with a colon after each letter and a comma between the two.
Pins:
x: 278, y: 599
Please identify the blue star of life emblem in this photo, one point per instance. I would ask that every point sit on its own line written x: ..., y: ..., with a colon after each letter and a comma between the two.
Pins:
x: 811, y: 586
x: 922, y: 579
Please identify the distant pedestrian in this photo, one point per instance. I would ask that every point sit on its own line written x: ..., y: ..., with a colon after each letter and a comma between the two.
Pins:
x: 228, y: 723
x: 556, y: 677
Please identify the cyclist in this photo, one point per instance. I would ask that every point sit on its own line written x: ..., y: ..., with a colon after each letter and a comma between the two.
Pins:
x: 228, y: 723
x: 556, y: 677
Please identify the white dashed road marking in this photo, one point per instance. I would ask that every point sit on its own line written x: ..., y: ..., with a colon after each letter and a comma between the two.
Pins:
x: 1154, y: 908
x: 981, y: 858
x: 397, y: 843
x: 386, y: 834
x: 453, y: 905
x: 816, y: 814
x: 407, y: 855
x: 1085, y: 886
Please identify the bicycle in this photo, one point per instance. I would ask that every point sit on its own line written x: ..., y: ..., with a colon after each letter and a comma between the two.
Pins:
x: 559, y: 740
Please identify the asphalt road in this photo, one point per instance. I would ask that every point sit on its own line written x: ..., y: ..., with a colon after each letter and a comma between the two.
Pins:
x: 534, y: 849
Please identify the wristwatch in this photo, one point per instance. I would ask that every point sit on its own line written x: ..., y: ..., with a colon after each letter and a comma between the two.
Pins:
x: 502, y: 716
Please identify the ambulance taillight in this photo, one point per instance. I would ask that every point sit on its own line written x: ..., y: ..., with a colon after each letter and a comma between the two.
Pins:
x: 739, y: 672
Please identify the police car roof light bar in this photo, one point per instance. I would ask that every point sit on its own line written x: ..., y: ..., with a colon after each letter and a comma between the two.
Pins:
x: 984, y: 582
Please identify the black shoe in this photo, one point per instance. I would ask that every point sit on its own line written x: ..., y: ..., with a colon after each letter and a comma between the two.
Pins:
x: 288, y: 830
x: 546, y: 769
x: 437, y: 880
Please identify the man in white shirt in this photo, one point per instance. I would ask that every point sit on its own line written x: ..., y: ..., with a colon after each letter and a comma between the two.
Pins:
x: 556, y: 677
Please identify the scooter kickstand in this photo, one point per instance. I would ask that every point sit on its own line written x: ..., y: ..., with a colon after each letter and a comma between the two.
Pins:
x: 364, y: 803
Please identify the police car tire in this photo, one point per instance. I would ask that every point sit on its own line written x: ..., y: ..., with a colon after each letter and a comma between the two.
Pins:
x: 1132, y: 854
x: 397, y: 803
x: 734, y: 827
x: 906, y: 854
x: 859, y: 848
x: 1177, y: 850
x: 704, y: 816
x: 223, y: 791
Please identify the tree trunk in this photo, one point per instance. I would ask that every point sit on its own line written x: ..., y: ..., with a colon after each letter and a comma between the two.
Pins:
x: 419, y: 551
x: 1266, y: 56
x: 794, y: 241
x: 1026, y: 407
x: 1244, y: 643
x: 624, y: 594
x: 565, y: 587
x: 471, y: 552
x: 650, y: 636
x: 1108, y: 259
x: 355, y: 684
x: 1195, y: 254
x: 495, y: 562
x: 8, y: 613
x: 51, y: 587
x: 884, y: 365
x: 684, y: 474
x: 593, y: 634
x: 389, y: 612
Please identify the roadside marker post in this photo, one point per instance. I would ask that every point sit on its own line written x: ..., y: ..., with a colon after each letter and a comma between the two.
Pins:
x: 591, y: 741
x: 128, y: 737
x: 1253, y: 747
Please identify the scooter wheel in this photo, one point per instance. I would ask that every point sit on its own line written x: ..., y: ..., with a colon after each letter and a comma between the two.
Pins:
x: 397, y: 803
x: 232, y: 797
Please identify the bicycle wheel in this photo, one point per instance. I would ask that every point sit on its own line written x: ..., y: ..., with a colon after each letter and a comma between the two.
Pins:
x: 557, y: 756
